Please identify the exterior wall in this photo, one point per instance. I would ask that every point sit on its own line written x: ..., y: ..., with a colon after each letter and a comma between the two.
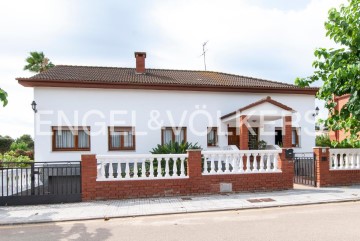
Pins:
x: 326, y: 177
x: 196, y: 183
x: 89, y: 107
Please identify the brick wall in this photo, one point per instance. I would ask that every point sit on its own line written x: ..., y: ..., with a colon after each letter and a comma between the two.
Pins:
x: 326, y: 177
x: 196, y: 183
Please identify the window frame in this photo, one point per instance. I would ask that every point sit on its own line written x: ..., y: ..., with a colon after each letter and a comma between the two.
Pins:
x: 209, y: 129
x: 120, y: 129
x: 173, y: 133
x: 75, y: 130
x: 297, y: 137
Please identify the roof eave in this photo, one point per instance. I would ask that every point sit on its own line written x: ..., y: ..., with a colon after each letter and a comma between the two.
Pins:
x: 26, y: 82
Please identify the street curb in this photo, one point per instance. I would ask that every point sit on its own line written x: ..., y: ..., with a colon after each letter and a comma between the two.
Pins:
x: 180, y: 212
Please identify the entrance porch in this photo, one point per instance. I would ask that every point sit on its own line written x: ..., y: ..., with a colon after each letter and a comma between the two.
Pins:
x: 248, y: 126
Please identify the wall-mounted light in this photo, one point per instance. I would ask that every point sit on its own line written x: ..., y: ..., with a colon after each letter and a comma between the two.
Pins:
x: 316, y: 111
x: 33, y: 106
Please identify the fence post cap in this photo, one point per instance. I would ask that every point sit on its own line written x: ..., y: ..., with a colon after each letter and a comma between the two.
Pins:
x: 188, y: 150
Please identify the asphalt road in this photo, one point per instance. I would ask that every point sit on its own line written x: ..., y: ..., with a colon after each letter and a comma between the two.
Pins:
x: 339, y: 222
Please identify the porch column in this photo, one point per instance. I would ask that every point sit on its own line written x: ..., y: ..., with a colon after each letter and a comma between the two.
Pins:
x: 244, y: 134
x: 287, y: 132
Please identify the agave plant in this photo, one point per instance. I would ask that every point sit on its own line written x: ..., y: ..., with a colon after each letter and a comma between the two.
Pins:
x: 174, y: 148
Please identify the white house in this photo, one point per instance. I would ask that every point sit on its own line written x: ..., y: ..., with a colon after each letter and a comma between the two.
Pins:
x: 102, y: 110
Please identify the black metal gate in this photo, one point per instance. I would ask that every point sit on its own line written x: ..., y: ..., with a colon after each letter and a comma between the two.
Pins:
x: 23, y: 183
x: 305, y: 169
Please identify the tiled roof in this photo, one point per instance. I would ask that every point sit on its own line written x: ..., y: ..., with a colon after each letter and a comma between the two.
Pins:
x: 182, y: 78
x: 259, y: 102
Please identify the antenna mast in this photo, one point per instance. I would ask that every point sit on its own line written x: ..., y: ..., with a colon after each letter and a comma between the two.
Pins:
x: 204, y: 53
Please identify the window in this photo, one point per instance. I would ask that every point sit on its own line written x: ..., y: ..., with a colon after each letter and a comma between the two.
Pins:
x: 73, y: 138
x: 173, y: 134
x: 121, y: 138
x: 212, y: 137
x: 295, y: 137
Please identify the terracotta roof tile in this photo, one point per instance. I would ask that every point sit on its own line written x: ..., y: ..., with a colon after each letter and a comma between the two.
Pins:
x: 115, y: 75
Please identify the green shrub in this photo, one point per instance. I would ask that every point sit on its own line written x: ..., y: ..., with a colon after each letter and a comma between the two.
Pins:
x: 346, y: 143
x: 12, y: 156
x: 174, y: 148
x: 323, y: 141
x: 19, y: 146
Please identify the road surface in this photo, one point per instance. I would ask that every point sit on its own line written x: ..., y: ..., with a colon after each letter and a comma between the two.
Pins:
x: 339, y: 221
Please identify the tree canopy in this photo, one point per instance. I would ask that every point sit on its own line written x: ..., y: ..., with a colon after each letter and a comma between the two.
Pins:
x: 339, y: 69
x: 37, y: 62
x: 3, y: 97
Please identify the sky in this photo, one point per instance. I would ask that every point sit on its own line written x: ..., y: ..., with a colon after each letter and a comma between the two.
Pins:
x: 259, y: 38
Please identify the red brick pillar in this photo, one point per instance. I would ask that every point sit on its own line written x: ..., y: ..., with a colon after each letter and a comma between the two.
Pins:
x: 287, y: 132
x: 322, y: 166
x: 287, y: 169
x: 194, y: 168
x: 244, y: 133
x: 88, y: 177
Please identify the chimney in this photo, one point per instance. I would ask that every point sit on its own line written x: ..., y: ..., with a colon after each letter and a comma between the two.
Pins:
x: 140, y: 62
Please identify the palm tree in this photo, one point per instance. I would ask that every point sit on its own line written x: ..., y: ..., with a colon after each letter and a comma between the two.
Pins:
x: 3, y: 97
x: 37, y: 62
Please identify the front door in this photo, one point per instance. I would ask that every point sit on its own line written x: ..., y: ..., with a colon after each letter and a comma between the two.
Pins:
x: 254, y: 139
x: 233, y: 137
x: 278, y: 137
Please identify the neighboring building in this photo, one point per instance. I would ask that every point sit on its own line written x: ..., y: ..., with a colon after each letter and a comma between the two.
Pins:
x: 339, y: 135
x: 112, y: 110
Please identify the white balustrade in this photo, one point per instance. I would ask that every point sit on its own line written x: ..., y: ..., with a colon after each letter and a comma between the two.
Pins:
x: 344, y: 159
x: 240, y: 161
x: 141, y: 167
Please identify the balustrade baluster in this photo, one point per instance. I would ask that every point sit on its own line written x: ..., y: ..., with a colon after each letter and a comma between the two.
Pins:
x: 255, y: 164
x: 248, y: 167
x: 151, y: 168
x: 135, y: 168
x: 175, y: 169
x: 227, y: 170
x: 143, y: 168
x: 212, y: 164
x: 159, y: 167
x: 167, y: 172
x: 182, y: 167
x: 205, y: 171
x: 276, y: 157
x: 111, y: 171
x: 261, y: 162
x: 241, y: 162
x: 127, y: 170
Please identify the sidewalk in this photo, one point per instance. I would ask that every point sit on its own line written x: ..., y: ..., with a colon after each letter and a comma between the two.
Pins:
x: 171, y: 205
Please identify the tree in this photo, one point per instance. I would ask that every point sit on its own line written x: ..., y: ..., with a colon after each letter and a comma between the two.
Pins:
x: 339, y: 69
x: 3, y: 97
x: 5, y: 143
x: 37, y: 62
x: 27, y: 139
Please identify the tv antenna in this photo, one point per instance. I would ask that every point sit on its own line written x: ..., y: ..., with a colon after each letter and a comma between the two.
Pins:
x: 204, y: 53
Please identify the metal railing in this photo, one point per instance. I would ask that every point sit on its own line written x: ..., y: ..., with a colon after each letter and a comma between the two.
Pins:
x: 23, y: 179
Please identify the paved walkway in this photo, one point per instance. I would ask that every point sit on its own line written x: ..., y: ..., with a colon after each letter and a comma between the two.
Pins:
x: 170, y: 205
